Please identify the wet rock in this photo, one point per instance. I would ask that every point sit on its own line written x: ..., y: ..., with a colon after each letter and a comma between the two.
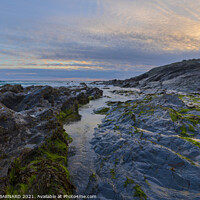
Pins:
x: 11, y: 99
x: 168, y: 100
x: 180, y: 76
x: 95, y: 93
x: 33, y: 145
x: 11, y: 88
x: 84, y: 85
x: 149, y: 147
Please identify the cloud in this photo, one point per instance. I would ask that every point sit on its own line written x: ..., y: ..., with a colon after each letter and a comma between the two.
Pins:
x: 98, y: 35
x: 14, y: 73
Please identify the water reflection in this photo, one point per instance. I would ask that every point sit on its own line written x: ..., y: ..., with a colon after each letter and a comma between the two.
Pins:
x: 81, y: 165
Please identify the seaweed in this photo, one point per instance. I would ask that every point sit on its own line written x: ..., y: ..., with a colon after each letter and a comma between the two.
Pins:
x: 139, y: 192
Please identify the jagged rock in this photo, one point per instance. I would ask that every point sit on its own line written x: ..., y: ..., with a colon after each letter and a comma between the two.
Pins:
x: 180, y: 76
x: 84, y: 85
x: 148, y: 147
x: 30, y: 130
x: 11, y: 99
x: 11, y: 88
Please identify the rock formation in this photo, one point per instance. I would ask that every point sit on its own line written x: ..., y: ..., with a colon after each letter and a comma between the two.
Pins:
x: 181, y: 76
x: 33, y: 147
x: 148, y: 148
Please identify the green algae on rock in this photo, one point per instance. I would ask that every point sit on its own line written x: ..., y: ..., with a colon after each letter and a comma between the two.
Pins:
x: 139, y: 193
x: 102, y: 111
x: 35, y: 143
x: 156, y: 141
x: 42, y: 170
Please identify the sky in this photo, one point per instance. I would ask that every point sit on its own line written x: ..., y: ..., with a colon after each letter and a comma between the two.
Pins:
x: 94, y: 39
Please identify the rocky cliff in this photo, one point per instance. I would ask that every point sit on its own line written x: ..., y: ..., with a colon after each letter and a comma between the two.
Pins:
x: 149, y: 146
x: 180, y: 76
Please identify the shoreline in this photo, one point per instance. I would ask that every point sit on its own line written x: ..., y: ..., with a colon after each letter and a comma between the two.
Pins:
x: 128, y: 126
x: 42, y: 150
x: 147, y: 145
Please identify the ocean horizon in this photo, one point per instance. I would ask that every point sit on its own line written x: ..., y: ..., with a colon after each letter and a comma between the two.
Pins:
x: 53, y: 83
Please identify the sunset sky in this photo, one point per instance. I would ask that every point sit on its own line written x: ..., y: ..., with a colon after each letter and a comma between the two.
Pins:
x: 95, y: 39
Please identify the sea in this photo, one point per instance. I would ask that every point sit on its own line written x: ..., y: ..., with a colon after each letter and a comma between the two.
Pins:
x: 43, y: 83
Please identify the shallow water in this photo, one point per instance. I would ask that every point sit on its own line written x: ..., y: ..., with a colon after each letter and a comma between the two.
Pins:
x: 81, y: 165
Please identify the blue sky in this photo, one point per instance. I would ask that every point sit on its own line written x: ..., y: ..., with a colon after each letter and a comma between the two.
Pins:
x: 95, y: 39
